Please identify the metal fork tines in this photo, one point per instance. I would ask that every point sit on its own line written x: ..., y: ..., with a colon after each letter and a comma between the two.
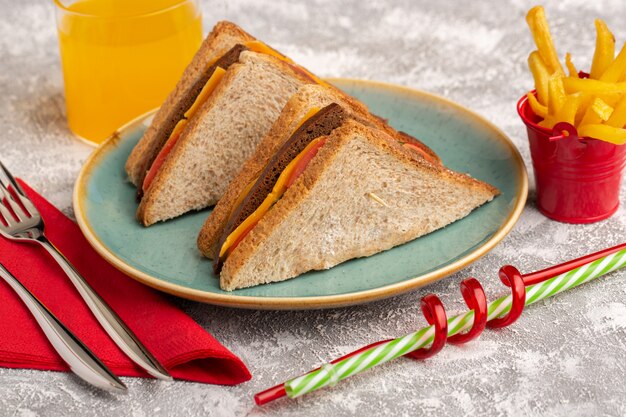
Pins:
x: 22, y: 222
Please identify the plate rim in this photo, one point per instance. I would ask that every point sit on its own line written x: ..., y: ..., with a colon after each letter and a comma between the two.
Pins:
x: 313, y: 302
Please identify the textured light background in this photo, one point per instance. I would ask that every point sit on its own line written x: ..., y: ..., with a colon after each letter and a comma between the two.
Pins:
x: 564, y: 357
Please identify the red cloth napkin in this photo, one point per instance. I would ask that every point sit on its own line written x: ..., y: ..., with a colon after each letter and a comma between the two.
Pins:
x: 180, y: 344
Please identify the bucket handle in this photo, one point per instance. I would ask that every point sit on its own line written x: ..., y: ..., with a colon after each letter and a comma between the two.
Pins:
x: 563, y: 130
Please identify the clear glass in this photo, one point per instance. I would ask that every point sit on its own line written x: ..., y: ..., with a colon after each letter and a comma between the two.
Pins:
x: 121, y: 58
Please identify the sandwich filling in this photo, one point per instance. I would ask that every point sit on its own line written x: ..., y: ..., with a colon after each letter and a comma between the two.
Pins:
x: 208, y: 88
x: 280, y: 173
x: 166, y: 129
x: 417, y: 148
x: 170, y: 131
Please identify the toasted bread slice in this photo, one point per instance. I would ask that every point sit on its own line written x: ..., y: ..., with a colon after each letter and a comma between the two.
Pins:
x: 223, y: 37
x: 362, y: 194
x: 308, y: 97
x: 221, y: 136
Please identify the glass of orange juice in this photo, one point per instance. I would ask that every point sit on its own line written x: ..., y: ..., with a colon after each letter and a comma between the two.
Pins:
x: 121, y: 58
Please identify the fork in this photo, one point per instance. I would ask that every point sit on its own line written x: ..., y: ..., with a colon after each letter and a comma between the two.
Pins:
x: 82, y: 361
x: 22, y: 222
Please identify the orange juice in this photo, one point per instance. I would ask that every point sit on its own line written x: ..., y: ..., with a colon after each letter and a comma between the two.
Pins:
x: 122, y: 57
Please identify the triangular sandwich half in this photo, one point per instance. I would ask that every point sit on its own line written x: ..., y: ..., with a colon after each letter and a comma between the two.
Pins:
x: 324, y: 200
x: 223, y: 37
x: 210, y: 124
x: 309, y: 99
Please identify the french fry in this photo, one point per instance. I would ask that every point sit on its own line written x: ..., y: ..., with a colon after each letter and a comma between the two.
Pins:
x: 597, y: 112
x: 596, y: 106
x: 571, y: 69
x: 536, y: 19
x: 605, y: 50
x: 541, y: 75
x: 602, y: 109
x: 618, y: 117
x: 590, y: 117
x: 611, y: 98
x: 587, y: 85
x: 616, y: 70
x: 607, y: 133
x: 585, y: 102
x: 557, y: 93
x: 548, y: 122
x: 538, y: 108
x: 567, y: 112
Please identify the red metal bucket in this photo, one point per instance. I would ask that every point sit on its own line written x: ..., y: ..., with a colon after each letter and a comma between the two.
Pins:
x: 577, y: 179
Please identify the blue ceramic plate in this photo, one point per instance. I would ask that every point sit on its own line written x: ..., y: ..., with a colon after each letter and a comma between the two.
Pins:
x: 164, y: 256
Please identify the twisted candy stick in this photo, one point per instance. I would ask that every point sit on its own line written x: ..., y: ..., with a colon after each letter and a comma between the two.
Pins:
x: 498, y: 313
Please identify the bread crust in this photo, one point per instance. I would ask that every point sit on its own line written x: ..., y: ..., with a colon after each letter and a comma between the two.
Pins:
x: 302, y: 187
x: 322, y: 123
x: 308, y: 96
x: 297, y: 106
x: 147, y: 214
x: 223, y: 37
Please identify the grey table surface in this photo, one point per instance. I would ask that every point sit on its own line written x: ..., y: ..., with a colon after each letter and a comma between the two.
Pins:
x: 566, y: 356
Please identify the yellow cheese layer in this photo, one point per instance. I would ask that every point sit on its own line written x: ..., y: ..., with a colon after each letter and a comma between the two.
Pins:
x: 260, y: 47
x: 310, y: 113
x: 206, y: 91
x: 208, y: 88
x: 178, y: 128
x: 244, y: 193
x: 277, y: 192
x: 211, y: 62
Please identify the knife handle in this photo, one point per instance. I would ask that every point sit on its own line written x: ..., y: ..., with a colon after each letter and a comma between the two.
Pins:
x: 123, y: 337
x: 82, y: 361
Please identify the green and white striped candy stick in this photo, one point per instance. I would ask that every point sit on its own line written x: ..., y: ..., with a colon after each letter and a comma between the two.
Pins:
x: 330, y: 374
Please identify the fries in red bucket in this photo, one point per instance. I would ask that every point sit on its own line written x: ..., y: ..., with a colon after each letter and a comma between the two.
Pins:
x: 576, y: 126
